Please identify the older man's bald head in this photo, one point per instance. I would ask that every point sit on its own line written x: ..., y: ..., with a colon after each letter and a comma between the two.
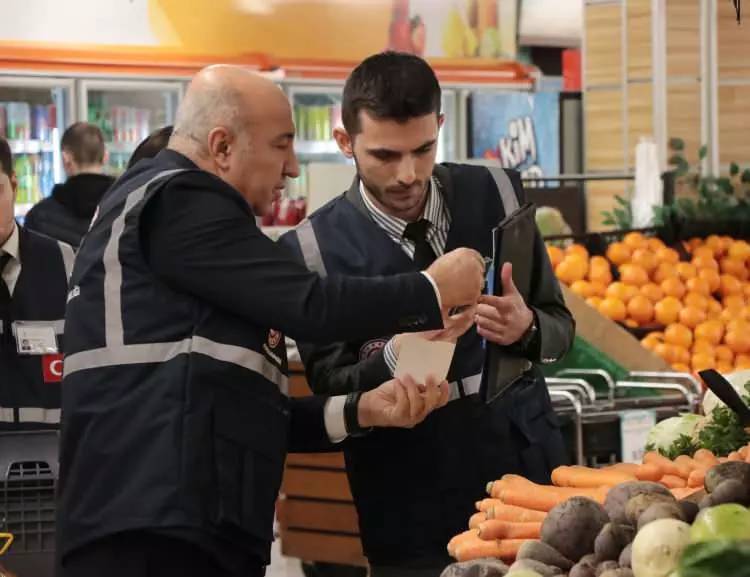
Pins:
x: 223, y: 96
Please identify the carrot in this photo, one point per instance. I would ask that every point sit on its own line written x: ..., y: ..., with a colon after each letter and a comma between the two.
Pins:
x: 697, y: 477
x: 747, y: 459
x: 544, y: 498
x: 723, y: 460
x: 588, y: 478
x: 476, y: 519
x: 469, y: 535
x: 629, y: 468
x: 688, y: 462
x: 706, y: 458
x: 684, y: 492
x: 649, y: 472
x: 476, y: 549
x: 487, y: 504
x: 668, y: 467
x: 512, y: 513
x: 735, y: 456
x: 498, y: 529
x: 673, y: 482
x: 743, y: 452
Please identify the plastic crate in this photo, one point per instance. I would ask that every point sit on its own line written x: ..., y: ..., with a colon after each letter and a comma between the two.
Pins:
x: 28, y: 483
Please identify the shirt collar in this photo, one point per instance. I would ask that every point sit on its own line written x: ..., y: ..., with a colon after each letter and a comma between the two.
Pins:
x: 11, y: 245
x: 396, y: 226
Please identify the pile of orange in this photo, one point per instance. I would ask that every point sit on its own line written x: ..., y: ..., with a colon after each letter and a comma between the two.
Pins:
x: 703, y: 304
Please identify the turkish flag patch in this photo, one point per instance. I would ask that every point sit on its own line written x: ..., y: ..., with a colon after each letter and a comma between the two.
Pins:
x: 52, y: 368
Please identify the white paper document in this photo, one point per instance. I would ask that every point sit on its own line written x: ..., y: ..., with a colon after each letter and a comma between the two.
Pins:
x: 420, y: 358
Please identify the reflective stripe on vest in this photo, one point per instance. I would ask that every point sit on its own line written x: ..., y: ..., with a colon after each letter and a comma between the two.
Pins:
x: 505, y: 188
x: 470, y: 386
x: 30, y: 415
x: 116, y: 352
x: 68, y: 257
x: 308, y: 244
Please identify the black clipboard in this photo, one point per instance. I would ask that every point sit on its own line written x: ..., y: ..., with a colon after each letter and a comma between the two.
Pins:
x: 513, y: 241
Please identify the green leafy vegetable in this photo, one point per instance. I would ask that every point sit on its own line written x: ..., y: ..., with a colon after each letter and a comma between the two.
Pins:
x: 716, y: 559
x: 675, y: 436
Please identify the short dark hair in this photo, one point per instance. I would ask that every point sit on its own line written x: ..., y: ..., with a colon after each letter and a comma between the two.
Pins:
x: 152, y: 145
x: 392, y: 85
x: 6, y: 157
x: 85, y: 142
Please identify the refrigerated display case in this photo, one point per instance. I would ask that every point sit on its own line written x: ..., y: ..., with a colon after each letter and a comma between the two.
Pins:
x: 127, y: 111
x: 34, y: 112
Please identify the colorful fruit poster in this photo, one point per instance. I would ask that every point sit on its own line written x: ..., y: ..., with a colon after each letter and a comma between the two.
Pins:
x: 521, y: 130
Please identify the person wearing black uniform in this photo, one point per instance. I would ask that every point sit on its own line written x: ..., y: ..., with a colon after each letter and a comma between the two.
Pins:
x: 66, y: 213
x: 416, y: 489
x: 34, y: 273
x: 176, y: 421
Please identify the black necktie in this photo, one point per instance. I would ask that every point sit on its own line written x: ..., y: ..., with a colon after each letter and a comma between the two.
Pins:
x: 417, y: 233
x: 4, y: 299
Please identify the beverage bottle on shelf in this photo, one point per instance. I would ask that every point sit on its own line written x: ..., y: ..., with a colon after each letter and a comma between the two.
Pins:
x: 52, y: 116
x: 21, y: 168
x: 3, y: 120
x: 24, y: 111
x: 35, y: 174
x: 47, y: 177
x: 11, y: 120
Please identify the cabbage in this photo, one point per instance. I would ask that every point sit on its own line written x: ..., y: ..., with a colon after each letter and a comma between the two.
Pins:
x: 675, y: 436
x: 738, y: 380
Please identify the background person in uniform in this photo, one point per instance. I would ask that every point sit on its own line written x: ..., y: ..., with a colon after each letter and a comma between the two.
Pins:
x: 34, y: 273
x: 67, y: 212
x: 401, y: 212
x: 176, y: 419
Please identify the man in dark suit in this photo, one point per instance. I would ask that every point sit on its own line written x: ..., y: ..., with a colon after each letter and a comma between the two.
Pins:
x: 415, y: 489
x: 176, y: 418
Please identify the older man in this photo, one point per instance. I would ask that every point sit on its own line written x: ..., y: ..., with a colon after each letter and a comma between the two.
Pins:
x: 176, y: 422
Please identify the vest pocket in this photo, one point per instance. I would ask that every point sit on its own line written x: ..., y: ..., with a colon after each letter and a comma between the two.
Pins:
x: 249, y: 450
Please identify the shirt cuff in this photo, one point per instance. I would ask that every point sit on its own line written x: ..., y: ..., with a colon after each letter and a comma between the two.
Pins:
x: 390, y: 357
x: 435, y: 287
x: 333, y: 416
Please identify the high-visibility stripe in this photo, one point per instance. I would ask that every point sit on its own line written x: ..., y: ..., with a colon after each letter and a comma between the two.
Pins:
x: 7, y: 415
x: 68, y: 257
x: 39, y: 415
x: 308, y: 244
x: 162, y: 352
x: 506, y: 190
x: 470, y: 387
x: 114, y: 333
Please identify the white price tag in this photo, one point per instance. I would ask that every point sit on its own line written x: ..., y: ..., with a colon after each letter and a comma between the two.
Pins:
x: 634, y: 429
x: 420, y: 358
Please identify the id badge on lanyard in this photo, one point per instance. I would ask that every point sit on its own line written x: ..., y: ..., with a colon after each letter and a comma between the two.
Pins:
x: 35, y: 338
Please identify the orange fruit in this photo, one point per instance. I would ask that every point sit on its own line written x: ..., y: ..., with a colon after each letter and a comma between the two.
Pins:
x: 598, y: 288
x: 734, y: 267
x: 666, y: 352
x: 621, y: 291
x: 677, y: 334
x: 635, y: 240
x: 730, y: 285
x: 667, y: 310
x: 633, y: 274
x: 740, y: 250
x: 742, y: 362
x: 737, y: 325
x: 649, y: 343
x: 698, y: 285
x: 735, y: 302
x: 664, y: 271
x: 652, y: 292
x: 673, y: 287
x: 703, y: 252
x: 703, y: 346
x: 686, y: 270
x: 724, y: 354
x: 555, y: 255
x: 738, y: 341
x: 655, y: 243
x: 613, y: 308
x: 746, y: 313
x: 658, y: 335
x: 645, y: 258
x: 701, y: 362
x: 696, y: 300
x: 746, y: 290
x: 599, y: 270
x: 631, y: 324
x: 582, y: 288
x: 724, y: 368
x: 680, y: 354
x: 618, y: 253
x: 571, y: 269
x: 594, y: 301
x: 680, y: 368
x: 711, y: 277
x: 666, y: 254
x: 714, y: 308
x: 716, y: 245
x: 578, y: 249
x: 700, y: 262
x: 711, y: 331
x: 640, y: 309
x: 691, y: 316
x: 730, y: 316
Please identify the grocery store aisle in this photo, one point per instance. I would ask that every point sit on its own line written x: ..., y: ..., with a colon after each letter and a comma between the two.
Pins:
x: 282, y: 566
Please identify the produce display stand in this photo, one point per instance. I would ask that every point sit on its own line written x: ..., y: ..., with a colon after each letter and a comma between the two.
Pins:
x: 28, y: 483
